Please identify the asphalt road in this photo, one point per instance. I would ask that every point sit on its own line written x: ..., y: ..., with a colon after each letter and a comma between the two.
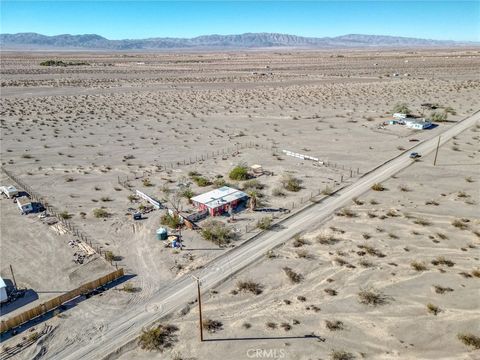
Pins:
x: 166, y: 300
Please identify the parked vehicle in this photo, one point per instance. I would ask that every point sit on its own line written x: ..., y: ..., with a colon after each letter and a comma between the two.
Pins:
x: 414, y: 155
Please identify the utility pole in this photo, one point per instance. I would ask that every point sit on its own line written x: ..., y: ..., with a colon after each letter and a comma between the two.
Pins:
x: 13, y: 277
x: 436, y: 152
x: 199, y: 307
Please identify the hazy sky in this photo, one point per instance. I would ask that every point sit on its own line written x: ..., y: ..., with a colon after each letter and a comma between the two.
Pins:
x: 449, y: 20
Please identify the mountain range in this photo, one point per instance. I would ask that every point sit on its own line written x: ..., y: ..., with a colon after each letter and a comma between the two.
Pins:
x: 34, y: 41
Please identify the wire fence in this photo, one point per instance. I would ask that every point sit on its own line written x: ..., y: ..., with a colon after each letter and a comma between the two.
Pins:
x: 62, y: 217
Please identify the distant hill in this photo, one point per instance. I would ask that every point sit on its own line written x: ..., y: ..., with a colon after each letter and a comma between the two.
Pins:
x: 34, y: 41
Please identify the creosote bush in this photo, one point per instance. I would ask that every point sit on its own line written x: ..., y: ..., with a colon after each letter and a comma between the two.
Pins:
x: 469, y: 339
x: 265, y: 223
x: 291, y: 183
x: 292, y: 275
x: 212, y: 325
x: 239, y: 172
x: 334, y: 325
x: 249, y: 286
x: 100, y: 213
x: 159, y: 338
x: 217, y: 232
x: 172, y: 221
x: 371, y: 297
x: 378, y: 187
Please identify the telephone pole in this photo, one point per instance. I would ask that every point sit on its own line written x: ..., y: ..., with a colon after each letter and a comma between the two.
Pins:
x: 436, y: 152
x: 13, y: 277
x: 199, y: 307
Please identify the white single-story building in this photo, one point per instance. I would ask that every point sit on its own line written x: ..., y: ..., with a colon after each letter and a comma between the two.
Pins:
x: 219, y: 200
x: 418, y: 124
x: 25, y: 204
x: 9, y: 191
x: 400, y: 116
x: 3, y: 291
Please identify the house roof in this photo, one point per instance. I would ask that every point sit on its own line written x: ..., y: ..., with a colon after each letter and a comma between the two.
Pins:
x: 10, y: 188
x: 2, y: 283
x: 219, y: 197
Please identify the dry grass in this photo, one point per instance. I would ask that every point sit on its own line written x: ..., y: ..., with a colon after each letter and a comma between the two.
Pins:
x: 442, y: 290
x: 341, y: 355
x: 433, y: 309
x: 371, y: 297
x: 293, y: 276
x: 440, y: 260
x: 469, y: 339
x: 418, y: 266
x: 460, y: 224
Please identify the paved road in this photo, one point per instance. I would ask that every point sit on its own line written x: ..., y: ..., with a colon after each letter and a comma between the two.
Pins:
x: 166, y: 300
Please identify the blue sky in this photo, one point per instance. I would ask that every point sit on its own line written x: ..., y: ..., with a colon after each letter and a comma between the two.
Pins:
x: 449, y: 20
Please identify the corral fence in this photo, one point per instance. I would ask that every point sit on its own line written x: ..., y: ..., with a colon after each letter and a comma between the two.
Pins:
x: 86, y: 239
x: 54, y: 303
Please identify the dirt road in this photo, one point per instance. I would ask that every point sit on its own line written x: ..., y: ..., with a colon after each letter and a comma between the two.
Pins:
x: 176, y: 295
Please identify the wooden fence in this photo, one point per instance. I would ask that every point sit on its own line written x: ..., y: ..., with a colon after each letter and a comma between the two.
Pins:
x: 54, y: 303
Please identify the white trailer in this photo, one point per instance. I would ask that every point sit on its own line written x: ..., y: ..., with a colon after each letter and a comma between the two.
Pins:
x: 10, y: 191
x: 3, y: 291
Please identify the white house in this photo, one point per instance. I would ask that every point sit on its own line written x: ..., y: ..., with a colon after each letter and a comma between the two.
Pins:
x: 418, y: 124
x: 3, y: 291
x: 25, y: 204
x: 9, y: 191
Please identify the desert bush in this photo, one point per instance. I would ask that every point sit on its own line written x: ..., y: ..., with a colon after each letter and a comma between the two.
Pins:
x: 334, y: 325
x: 357, y: 201
x: 110, y: 256
x: 34, y: 336
x: 147, y: 183
x: 377, y: 187
x: 105, y: 199
x: 286, y: 326
x: 239, y: 172
x: 65, y: 215
x: 469, y: 339
x: 340, y: 261
x: 299, y: 241
x: 341, y: 355
x: 476, y: 273
x: 278, y: 192
x: 173, y: 221
x: 132, y: 198
x: 370, y: 250
x: 371, y: 297
x: 303, y: 254
x: 441, y: 260
x: 327, y: 239
x: 401, y: 108
x: 418, y: 266
x: 438, y: 116
x: 433, y: 309
x: 252, y: 184
x: 159, y: 338
x: 422, y: 221
x: 331, y: 292
x: 265, y: 223
x: 459, y: 224
x: 212, y: 325
x: 293, y: 276
x: 217, y: 232
x: 442, y: 290
x: 271, y: 325
x: 129, y: 288
x: 346, y: 212
x: 101, y: 213
x: 291, y: 183
x: 365, y: 263
x: 403, y: 188
x: 246, y: 325
x: 449, y: 110
x: 187, y: 193
x: 249, y: 286
x: 201, y: 181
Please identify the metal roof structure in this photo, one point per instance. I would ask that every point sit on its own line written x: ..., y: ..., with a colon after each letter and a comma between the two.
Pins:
x: 219, y: 197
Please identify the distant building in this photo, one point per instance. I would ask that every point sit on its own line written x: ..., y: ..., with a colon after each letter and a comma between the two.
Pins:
x: 218, y: 201
x: 25, y: 204
x: 3, y: 291
x: 10, y: 191
x: 400, y: 116
x: 418, y: 124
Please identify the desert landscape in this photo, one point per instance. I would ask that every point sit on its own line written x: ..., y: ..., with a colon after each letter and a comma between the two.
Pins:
x: 395, y: 274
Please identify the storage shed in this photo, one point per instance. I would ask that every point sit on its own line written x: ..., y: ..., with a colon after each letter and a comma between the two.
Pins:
x: 25, y: 204
x: 418, y: 124
x: 9, y: 191
x: 220, y: 200
x: 3, y: 291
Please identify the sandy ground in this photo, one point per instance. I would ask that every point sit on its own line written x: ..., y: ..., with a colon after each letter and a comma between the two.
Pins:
x: 71, y: 132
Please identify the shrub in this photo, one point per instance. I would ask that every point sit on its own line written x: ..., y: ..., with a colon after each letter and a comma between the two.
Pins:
x: 271, y: 325
x: 252, y: 185
x: 433, y: 309
x: 303, y: 254
x: 327, y: 239
x: 246, y: 325
x: 212, y: 325
x: 65, y: 215
x: 331, y: 292
x: 440, y: 260
x: 110, y: 256
x: 265, y: 223
x: 129, y: 288
x: 401, y: 108
x: 291, y: 183
x: 334, y: 325
x: 251, y: 286
x: 187, y: 193
x: 101, y: 213
x: 201, y: 181
x: 299, y: 241
x: 341, y: 355
x: 476, y: 273
x: 459, y: 224
x: 147, y: 183
x: 292, y: 275
x: 418, y: 266
x: 278, y: 192
x: 34, y: 336
x: 378, y: 187
x: 370, y: 250
x: 404, y: 188
x: 217, y: 232
x: 239, y: 172
x: 132, y: 198
x: 105, y: 199
x: 469, y: 340
x: 438, y: 116
x: 346, y: 212
x: 159, y: 338
x: 286, y: 326
x: 173, y: 221
x: 422, y: 221
x: 371, y: 297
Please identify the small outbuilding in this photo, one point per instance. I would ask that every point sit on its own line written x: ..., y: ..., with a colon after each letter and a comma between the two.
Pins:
x: 3, y: 291
x: 9, y: 191
x: 418, y: 124
x: 25, y: 204
x: 400, y: 116
x: 218, y: 201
